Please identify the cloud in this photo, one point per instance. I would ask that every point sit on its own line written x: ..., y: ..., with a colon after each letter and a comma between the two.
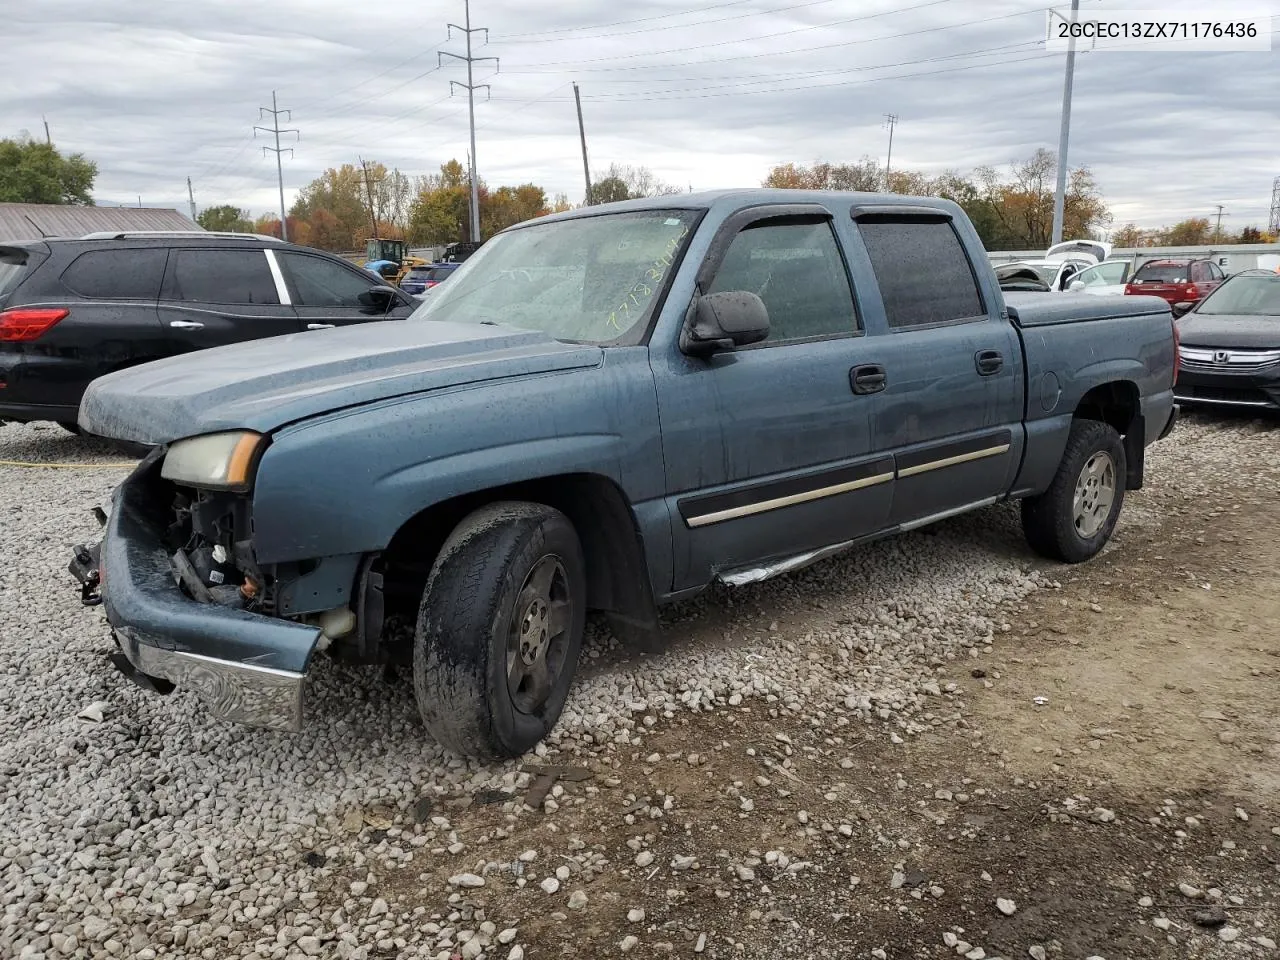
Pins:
x: 706, y: 94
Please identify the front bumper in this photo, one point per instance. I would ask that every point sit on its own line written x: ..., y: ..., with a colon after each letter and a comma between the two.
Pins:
x: 248, y: 668
x: 1259, y: 389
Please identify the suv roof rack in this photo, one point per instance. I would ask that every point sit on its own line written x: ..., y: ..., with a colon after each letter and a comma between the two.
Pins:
x: 128, y: 234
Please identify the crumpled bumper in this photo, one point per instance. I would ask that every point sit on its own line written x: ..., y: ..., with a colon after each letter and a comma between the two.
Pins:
x: 247, y: 667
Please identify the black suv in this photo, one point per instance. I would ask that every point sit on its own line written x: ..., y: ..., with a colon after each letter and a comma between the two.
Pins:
x: 73, y: 310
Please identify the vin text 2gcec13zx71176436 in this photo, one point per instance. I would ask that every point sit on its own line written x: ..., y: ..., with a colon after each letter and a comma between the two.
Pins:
x: 606, y: 410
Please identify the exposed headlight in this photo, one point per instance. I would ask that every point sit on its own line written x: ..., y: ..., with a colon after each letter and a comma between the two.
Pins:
x: 218, y: 461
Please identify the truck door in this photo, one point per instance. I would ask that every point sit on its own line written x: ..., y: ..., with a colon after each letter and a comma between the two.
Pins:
x: 952, y: 405
x: 768, y: 448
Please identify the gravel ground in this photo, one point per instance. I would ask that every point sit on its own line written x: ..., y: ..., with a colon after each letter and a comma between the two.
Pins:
x: 134, y: 825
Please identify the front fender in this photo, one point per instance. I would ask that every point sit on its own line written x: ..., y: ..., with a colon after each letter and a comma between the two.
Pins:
x: 344, y: 484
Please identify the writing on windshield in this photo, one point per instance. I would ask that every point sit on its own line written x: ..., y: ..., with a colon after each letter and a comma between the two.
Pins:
x: 591, y: 279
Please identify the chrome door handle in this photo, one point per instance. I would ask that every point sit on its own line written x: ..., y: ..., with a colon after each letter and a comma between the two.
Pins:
x: 186, y: 324
x: 319, y: 326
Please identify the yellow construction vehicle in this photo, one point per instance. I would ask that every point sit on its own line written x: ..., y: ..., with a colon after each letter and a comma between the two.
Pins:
x: 395, y: 257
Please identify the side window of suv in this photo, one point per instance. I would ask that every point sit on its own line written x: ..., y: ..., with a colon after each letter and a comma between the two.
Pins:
x: 797, y: 270
x: 923, y: 272
x: 132, y: 274
x: 222, y: 276
x: 1199, y: 272
x: 318, y: 282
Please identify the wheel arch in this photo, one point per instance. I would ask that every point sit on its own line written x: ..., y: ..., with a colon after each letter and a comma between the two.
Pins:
x: 613, y: 547
x: 1119, y: 404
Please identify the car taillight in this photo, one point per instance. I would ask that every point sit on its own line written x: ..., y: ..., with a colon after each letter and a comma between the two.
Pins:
x: 1192, y: 292
x: 1177, y: 352
x: 27, y: 323
x: 430, y: 283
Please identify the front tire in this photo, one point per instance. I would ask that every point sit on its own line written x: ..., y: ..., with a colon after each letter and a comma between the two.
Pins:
x: 1075, y: 517
x: 499, y: 630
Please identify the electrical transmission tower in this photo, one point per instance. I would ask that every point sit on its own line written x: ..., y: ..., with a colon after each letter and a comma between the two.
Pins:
x: 890, y: 121
x: 471, y: 87
x: 275, y: 129
x: 1273, y: 223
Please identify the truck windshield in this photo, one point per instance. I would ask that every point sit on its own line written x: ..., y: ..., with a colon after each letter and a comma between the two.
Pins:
x: 585, y: 279
x: 1245, y: 297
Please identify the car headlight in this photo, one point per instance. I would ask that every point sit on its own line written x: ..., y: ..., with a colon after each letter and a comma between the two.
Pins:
x: 217, y: 461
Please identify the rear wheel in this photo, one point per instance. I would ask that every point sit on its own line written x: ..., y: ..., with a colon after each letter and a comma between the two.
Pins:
x: 499, y: 630
x: 1075, y: 517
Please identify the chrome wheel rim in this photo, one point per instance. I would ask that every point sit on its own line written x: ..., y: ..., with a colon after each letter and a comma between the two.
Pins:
x: 1095, y: 494
x: 538, y: 635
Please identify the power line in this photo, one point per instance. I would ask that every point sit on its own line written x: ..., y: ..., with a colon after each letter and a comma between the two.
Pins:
x: 275, y: 113
x: 621, y: 23
x: 750, y: 56
x: 699, y: 23
x: 773, y: 79
x: 471, y: 87
x: 644, y: 97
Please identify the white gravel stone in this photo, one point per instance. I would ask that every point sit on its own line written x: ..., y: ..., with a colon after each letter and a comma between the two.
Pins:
x: 466, y: 880
x: 577, y: 900
x: 550, y: 885
x: 1006, y: 906
x: 252, y: 802
x: 628, y: 943
x: 636, y: 914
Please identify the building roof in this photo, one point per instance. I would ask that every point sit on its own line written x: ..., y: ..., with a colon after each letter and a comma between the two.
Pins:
x: 31, y: 221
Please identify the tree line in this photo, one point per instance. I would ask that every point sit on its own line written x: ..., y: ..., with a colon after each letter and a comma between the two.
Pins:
x: 346, y: 205
x: 1011, y: 209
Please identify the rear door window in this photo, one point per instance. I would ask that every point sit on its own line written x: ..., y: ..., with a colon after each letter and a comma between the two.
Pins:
x: 923, y: 272
x: 222, y: 276
x: 13, y: 267
x: 116, y: 274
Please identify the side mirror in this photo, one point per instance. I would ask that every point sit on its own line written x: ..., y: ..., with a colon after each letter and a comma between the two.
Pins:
x: 379, y: 298
x: 722, y: 321
x: 1076, y: 286
x: 1185, y: 307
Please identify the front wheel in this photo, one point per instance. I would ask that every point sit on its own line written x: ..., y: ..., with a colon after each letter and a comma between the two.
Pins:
x: 499, y: 630
x: 1075, y: 517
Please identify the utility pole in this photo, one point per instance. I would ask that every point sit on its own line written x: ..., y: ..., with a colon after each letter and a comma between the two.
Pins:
x: 1060, y: 194
x: 582, y: 135
x: 890, y: 121
x: 47, y: 139
x: 275, y: 129
x: 1217, y: 230
x: 368, y: 188
x: 191, y: 199
x: 471, y: 87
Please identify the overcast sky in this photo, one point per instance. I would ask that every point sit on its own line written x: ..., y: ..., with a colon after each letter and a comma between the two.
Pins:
x: 706, y: 93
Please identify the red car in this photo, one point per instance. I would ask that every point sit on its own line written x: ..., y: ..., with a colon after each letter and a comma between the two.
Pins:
x: 1181, y: 280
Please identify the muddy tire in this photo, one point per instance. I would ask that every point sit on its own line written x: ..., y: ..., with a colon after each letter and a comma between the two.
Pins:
x: 1075, y: 517
x: 499, y: 630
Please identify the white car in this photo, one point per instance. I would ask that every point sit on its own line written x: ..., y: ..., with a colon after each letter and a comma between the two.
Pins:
x: 1106, y: 279
x: 1059, y: 272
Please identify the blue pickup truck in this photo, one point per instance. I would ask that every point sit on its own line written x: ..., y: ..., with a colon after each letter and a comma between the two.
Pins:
x: 607, y: 410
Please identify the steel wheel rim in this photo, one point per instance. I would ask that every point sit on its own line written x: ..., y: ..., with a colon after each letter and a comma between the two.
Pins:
x: 538, y: 635
x: 1095, y: 494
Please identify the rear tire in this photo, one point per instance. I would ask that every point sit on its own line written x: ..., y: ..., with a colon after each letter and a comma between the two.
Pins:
x: 1075, y: 517
x: 499, y: 630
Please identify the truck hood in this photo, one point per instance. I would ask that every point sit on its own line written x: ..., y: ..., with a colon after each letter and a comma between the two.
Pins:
x: 1229, y: 330
x: 264, y: 384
